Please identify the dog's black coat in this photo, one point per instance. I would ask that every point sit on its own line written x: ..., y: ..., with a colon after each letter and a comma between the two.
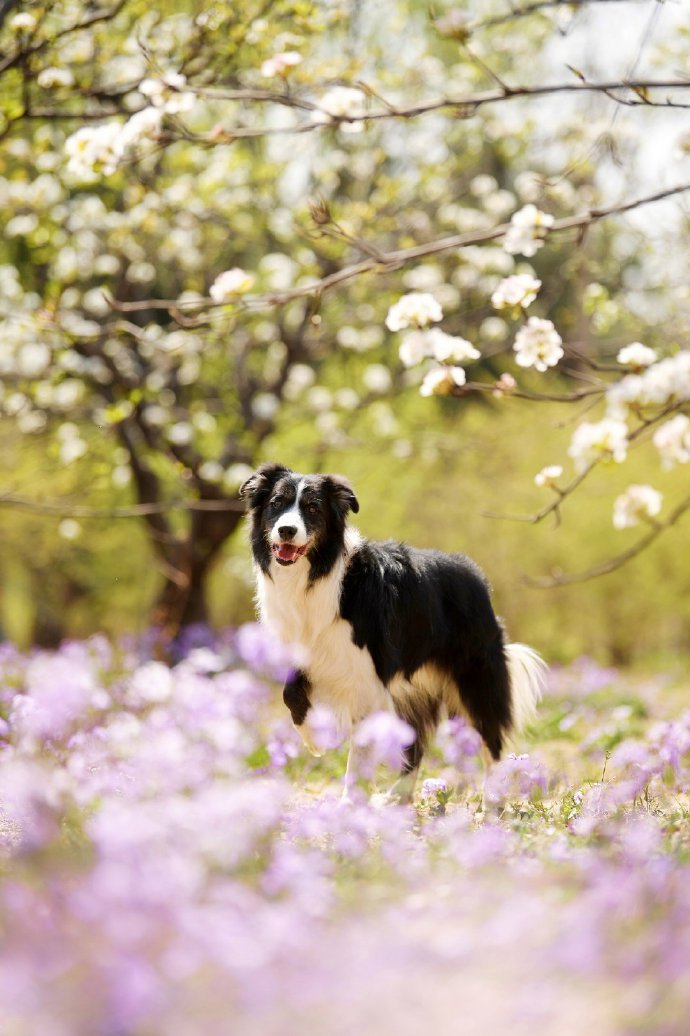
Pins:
x: 410, y: 608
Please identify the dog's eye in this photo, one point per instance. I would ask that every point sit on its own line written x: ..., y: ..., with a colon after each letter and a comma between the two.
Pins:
x: 277, y: 501
x: 311, y: 508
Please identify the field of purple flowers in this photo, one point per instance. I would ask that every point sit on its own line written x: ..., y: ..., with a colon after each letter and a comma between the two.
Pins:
x: 173, y: 863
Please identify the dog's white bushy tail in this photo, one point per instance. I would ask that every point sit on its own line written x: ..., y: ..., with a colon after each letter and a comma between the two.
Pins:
x: 527, y: 671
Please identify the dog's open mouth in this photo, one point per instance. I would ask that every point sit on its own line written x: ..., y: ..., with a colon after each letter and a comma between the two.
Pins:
x: 288, y: 553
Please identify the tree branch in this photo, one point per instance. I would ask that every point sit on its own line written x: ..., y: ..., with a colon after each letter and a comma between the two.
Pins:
x: 387, y: 261
x: 60, y: 510
x: 605, y: 567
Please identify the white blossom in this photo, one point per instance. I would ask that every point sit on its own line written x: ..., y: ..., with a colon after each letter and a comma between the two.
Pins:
x: 548, y: 476
x: 319, y: 398
x: 377, y: 378
x: 451, y: 348
x: 168, y: 93
x: 69, y: 529
x: 483, y: 185
x: 95, y: 149
x: 50, y: 78
x: 637, y: 355
x: 280, y: 64
x: 667, y: 381
x: 347, y: 399
x: 33, y: 359
x: 22, y: 22
x: 672, y: 440
x: 416, y: 309
x: 607, y: 439
x: 528, y: 228
x: 230, y: 284
x: 265, y: 405
x: 414, y: 348
x: 236, y: 474
x: 419, y: 345
x: 342, y: 102
x: 70, y: 444
x: 519, y: 290
x: 442, y: 380
x: 538, y: 344
x: 144, y: 123
x: 180, y: 434
x: 636, y: 504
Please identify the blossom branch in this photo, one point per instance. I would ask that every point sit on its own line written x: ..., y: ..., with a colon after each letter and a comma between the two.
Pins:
x: 395, y: 259
x: 616, y: 562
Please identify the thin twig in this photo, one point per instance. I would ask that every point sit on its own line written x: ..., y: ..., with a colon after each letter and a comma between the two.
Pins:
x: 616, y: 562
x: 60, y: 510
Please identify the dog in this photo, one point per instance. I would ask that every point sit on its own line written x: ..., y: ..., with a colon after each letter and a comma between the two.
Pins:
x: 381, y: 625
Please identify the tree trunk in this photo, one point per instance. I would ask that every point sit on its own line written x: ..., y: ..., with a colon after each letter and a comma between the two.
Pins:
x: 182, y: 601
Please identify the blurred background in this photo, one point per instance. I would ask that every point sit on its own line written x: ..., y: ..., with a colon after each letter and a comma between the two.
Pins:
x: 112, y: 403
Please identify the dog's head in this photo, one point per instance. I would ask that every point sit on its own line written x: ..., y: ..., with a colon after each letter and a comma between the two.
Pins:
x: 297, y: 516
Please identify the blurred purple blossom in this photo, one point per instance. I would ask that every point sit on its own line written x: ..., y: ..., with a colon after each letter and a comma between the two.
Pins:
x: 460, y: 744
x: 513, y: 778
x: 157, y: 879
x: 264, y: 653
x: 385, y: 735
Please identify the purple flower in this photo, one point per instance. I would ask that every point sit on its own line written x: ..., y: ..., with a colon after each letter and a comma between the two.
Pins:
x: 515, y: 777
x: 263, y: 652
x: 325, y: 730
x: 283, y: 743
x: 460, y: 744
x: 386, y: 736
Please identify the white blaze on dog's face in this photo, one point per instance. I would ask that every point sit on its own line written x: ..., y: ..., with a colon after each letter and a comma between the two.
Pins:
x: 288, y: 535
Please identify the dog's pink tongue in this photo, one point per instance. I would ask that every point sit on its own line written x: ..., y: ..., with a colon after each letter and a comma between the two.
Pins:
x: 287, y: 551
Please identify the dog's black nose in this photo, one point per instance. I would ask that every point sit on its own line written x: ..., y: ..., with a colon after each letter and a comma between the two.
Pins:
x: 287, y: 532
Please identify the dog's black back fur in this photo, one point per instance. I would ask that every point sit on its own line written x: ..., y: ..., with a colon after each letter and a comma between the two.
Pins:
x: 410, y: 608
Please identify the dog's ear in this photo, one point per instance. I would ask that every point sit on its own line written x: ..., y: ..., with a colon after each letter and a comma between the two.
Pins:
x: 342, y: 494
x: 261, y: 482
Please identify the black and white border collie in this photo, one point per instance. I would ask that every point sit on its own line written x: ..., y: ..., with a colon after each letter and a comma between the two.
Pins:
x: 382, y: 625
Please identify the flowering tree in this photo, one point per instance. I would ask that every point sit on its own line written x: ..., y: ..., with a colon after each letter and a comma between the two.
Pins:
x: 210, y: 210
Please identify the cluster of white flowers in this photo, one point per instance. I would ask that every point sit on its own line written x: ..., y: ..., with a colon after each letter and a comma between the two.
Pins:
x: 442, y: 381
x: 52, y: 78
x: 416, y: 309
x: 95, y: 150
x: 280, y: 64
x: 528, y: 228
x: 71, y: 446
x: 636, y: 504
x: 538, y: 344
x: 22, y: 22
x: 98, y: 150
x: 637, y: 356
x: 342, y: 104
x: 228, y: 285
x: 517, y: 291
x: 421, y: 345
x: 607, y: 439
x: 660, y: 384
x: 672, y: 440
x: 168, y: 93
x: 548, y: 476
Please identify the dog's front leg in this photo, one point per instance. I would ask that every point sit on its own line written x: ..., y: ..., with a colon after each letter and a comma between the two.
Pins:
x: 356, y: 764
x: 296, y: 697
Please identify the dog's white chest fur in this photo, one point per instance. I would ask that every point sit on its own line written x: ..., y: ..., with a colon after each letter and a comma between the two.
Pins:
x: 342, y: 675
